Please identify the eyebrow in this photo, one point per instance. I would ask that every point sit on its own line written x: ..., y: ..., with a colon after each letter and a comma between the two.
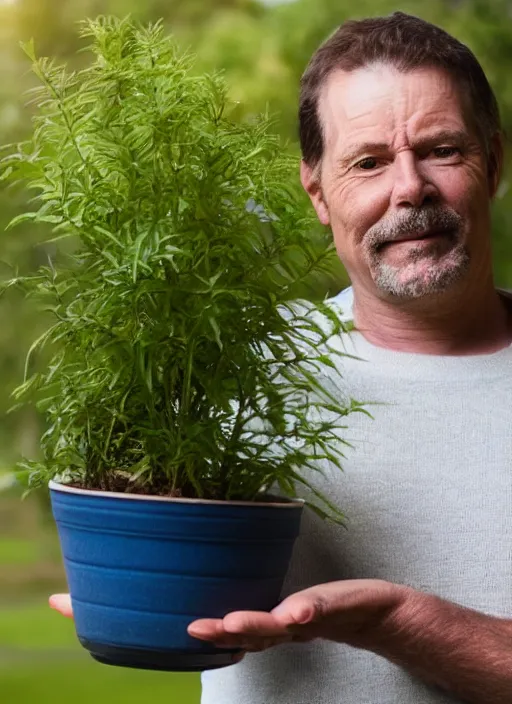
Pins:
x: 460, y: 137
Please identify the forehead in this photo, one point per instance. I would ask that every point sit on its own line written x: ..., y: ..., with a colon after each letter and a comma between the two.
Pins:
x: 380, y: 103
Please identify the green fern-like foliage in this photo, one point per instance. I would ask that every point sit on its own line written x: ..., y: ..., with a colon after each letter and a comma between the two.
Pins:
x: 180, y: 364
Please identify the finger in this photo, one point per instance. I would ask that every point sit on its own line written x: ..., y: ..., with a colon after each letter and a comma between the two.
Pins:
x: 236, y: 628
x: 253, y: 623
x: 345, y: 595
x: 62, y: 604
x: 251, y: 631
x: 210, y: 629
x: 317, y: 602
x: 296, y: 610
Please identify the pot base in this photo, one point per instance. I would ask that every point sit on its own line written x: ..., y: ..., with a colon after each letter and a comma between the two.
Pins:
x: 163, y: 660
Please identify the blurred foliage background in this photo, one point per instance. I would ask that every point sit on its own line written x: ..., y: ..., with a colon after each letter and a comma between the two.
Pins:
x: 263, y: 48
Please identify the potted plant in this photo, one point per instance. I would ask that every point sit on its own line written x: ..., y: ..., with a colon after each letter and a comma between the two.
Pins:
x: 183, y: 383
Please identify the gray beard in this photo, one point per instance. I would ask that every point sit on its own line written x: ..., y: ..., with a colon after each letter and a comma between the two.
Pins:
x: 443, y: 272
x: 387, y: 278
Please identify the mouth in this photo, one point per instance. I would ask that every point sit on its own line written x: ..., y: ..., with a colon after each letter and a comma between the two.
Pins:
x: 414, y: 237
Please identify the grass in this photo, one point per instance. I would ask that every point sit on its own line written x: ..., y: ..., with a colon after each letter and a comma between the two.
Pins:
x: 35, y: 627
x: 18, y: 552
x: 30, y: 567
x: 91, y: 683
x: 41, y: 661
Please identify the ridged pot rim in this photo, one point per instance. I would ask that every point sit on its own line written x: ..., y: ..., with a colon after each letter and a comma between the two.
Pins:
x: 66, y: 489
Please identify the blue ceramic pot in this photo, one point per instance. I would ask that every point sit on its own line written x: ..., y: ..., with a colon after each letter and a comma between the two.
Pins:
x: 140, y: 569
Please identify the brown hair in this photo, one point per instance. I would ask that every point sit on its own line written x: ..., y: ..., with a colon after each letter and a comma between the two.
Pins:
x: 405, y: 42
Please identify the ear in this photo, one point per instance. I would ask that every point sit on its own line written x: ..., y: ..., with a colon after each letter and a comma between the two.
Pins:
x: 310, y: 179
x: 495, y: 165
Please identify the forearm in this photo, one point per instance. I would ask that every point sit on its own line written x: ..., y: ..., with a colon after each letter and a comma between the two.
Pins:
x: 464, y: 652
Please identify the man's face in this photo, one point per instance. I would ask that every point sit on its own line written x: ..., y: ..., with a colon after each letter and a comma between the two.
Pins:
x: 403, y: 182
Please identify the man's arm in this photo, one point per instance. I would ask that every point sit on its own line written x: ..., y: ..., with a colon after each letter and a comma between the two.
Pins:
x: 464, y: 652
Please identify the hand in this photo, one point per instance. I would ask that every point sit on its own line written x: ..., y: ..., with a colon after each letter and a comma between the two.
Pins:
x: 62, y: 603
x: 356, y: 612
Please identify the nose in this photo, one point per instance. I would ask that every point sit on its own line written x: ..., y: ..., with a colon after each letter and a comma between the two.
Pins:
x: 411, y: 187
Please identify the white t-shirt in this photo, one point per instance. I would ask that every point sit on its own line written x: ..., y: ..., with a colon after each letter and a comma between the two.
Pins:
x: 427, y: 491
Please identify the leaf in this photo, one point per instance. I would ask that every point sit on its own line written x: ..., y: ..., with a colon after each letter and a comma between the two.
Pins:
x: 109, y: 235
x: 23, y: 217
x: 5, y: 175
x: 29, y: 49
x: 136, y: 258
x: 216, y: 331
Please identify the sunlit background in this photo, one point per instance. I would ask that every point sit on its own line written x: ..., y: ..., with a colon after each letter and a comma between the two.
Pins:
x: 263, y: 48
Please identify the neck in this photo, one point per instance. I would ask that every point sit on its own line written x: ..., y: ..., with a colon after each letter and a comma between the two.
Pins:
x: 470, y: 322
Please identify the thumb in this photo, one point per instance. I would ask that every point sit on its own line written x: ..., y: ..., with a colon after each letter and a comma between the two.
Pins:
x: 62, y: 604
x: 297, y: 609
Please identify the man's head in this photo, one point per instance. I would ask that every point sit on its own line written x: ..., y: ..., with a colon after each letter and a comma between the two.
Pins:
x: 401, y: 143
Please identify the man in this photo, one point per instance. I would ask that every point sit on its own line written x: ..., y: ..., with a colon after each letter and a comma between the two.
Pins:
x: 402, y: 154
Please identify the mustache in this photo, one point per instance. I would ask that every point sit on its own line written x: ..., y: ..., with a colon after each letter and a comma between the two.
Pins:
x: 419, y: 221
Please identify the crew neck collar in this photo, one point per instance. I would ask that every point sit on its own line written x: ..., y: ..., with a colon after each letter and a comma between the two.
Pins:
x: 406, y: 363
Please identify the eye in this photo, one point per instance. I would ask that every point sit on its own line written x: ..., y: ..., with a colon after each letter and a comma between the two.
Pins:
x: 367, y: 164
x: 445, y: 152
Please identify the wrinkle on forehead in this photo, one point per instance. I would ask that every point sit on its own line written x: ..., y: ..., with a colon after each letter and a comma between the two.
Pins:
x: 380, y: 103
